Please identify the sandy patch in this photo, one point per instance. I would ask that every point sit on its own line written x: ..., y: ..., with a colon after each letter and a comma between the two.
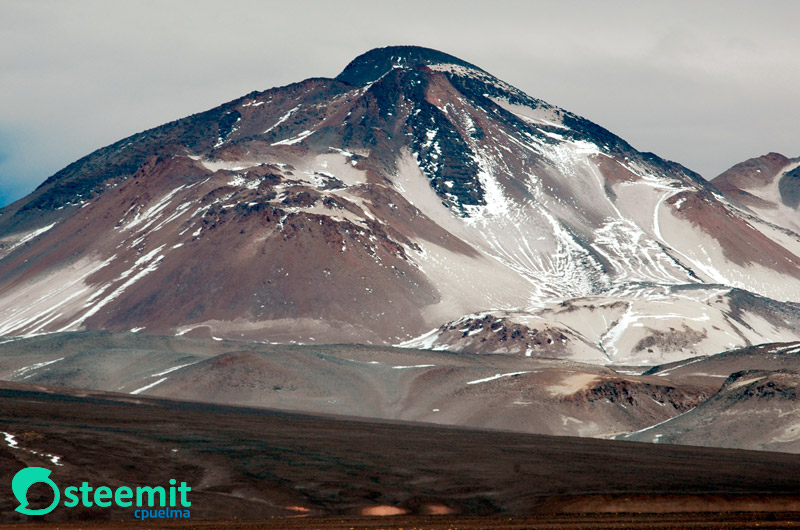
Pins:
x: 437, y: 509
x: 383, y: 510
x: 571, y: 384
x: 744, y: 382
x: 299, y: 510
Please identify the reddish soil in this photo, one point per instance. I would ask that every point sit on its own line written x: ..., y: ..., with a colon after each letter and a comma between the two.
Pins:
x: 740, y: 242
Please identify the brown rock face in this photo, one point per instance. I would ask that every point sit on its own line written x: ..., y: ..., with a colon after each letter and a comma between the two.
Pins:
x: 411, y: 190
x: 743, y: 181
x: 637, y: 393
x: 752, y: 173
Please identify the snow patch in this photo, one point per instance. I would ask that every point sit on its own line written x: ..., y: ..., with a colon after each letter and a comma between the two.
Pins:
x: 151, y: 385
x: 498, y: 376
x: 174, y: 368
x: 299, y: 138
x: 283, y: 118
x: 22, y: 371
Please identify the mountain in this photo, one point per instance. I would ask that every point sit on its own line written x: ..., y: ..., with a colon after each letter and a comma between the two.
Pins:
x: 755, y: 408
x: 768, y: 187
x: 414, y: 199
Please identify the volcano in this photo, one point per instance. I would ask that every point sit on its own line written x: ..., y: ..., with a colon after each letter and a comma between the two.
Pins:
x: 414, y: 199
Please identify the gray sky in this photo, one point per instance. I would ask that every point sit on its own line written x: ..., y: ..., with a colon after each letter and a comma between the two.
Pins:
x: 707, y: 84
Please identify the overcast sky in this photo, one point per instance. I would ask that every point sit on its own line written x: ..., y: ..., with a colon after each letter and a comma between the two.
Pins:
x: 707, y: 84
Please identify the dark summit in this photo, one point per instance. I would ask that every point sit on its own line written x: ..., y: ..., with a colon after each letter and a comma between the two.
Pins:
x: 369, y: 67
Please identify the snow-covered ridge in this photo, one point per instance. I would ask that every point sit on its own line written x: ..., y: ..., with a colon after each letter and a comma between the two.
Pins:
x: 641, y: 328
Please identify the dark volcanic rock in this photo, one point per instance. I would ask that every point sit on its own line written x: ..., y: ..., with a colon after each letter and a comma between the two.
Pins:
x: 370, y: 66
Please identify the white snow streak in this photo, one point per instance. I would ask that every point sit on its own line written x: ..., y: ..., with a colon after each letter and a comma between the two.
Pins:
x: 170, y: 370
x: 496, y: 376
x: 299, y: 138
x: 151, y: 385
x: 283, y: 118
x: 22, y: 371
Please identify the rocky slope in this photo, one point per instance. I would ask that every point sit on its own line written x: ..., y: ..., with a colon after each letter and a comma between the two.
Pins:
x: 768, y: 186
x: 408, y: 192
x: 744, y: 399
x: 755, y: 408
x: 244, y: 464
x: 502, y: 392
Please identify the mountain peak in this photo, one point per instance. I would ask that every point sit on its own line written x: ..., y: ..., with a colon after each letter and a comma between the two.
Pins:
x: 371, y: 65
x: 439, y: 197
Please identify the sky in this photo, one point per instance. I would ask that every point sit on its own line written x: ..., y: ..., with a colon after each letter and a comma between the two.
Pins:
x: 707, y: 84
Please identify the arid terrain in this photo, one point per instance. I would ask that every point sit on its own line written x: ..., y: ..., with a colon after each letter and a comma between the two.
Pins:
x: 500, y: 391
x: 410, y: 290
x: 245, y: 463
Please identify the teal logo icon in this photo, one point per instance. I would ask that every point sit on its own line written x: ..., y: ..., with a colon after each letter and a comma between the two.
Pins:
x: 26, y: 478
x: 152, y: 502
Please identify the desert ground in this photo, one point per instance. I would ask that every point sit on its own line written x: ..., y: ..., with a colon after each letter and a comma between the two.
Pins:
x: 260, y: 468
